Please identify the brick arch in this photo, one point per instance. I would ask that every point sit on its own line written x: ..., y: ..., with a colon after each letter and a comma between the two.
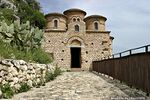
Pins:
x: 75, y: 42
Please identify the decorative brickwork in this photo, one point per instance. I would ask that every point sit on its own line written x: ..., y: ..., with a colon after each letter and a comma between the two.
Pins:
x: 75, y: 31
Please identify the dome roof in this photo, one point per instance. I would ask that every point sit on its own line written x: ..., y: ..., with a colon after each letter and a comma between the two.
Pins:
x: 95, y: 16
x: 74, y: 10
x: 55, y: 14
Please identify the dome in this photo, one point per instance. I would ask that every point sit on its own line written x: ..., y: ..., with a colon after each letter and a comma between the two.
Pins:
x: 95, y: 16
x: 55, y: 14
x: 74, y: 10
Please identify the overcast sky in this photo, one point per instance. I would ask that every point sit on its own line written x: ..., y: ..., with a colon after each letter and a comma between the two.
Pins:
x: 128, y: 20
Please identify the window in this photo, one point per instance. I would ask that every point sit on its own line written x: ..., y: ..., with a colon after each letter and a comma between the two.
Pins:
x: 74, y: 19
x: 96, y: 26
x: 78, y: 20
x: 77, y: 28
x: 55, y: 24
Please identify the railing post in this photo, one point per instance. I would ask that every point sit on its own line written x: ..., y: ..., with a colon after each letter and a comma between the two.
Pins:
x: 146, y: 48
x: 130, y: 51
x: 113, y: 56
x: 120, y: 55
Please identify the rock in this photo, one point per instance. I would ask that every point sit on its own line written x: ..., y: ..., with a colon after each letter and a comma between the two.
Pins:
x: 5, y: 68
x: 9, y: 77
x: 38, y: 80
x: 28, y: 76
x: 12, y: 84
x: 30, y: 83
x: 42, y: 66
x: 22, y: 62
x: 0, y: 93
x: 30, y: 67
x: 3, y: 73
x: 50, y: 67
x: 17, y: 86
x: 4, y: 82
x: 13, y: 70
x: 33, y: 76
x: 23, y: 67
x: 15, y: 80
x: 6, y: 62
x: 16, y: 64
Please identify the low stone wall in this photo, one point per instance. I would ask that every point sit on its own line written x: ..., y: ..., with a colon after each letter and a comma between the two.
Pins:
x: 16, y: 72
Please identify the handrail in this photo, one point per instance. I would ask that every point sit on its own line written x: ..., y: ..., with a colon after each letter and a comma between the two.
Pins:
x: 130, y: 52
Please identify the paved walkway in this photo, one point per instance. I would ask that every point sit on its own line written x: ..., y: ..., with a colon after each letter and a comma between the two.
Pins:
x: 75, y: 86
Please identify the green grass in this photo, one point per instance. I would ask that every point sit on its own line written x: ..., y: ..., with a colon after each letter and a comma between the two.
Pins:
x: 51, y: 76
x: 7, y: 91
x: 36, y: 55
x: 24, y: 87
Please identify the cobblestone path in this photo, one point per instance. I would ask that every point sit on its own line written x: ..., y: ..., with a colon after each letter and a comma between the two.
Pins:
x: 75, y: 86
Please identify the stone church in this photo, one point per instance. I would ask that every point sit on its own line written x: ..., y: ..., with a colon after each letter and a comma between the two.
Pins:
x: 75, y: 40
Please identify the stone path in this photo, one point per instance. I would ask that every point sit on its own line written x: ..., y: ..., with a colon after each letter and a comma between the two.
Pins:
x: 75, y: 86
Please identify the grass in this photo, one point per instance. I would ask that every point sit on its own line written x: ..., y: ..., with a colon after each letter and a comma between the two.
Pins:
x: 24, y: 87
x: 7, y: 91
x: 51, y: 76
x: 36, y: 55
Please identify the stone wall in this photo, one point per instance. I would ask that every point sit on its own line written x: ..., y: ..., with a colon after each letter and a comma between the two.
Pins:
x: 93, y: 45
x: 16, y: 72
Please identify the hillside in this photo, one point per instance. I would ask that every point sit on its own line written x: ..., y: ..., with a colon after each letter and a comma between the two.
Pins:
x: 20, y: 31
x: 24, y: 10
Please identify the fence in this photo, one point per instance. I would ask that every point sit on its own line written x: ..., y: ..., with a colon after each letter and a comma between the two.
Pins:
x: 133, y: 69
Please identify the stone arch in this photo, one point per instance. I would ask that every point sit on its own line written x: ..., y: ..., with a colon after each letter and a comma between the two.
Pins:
x: 75, y: 42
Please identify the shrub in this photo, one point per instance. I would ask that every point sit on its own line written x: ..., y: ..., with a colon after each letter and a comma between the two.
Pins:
x: 41, y: 56
x: 36, y: 55
x: 7, y: 91
x: 49, y: 76
x: 24, y: 87
x: 57, y: 71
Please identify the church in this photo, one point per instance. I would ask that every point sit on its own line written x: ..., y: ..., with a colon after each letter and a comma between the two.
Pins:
x: 75, y: 40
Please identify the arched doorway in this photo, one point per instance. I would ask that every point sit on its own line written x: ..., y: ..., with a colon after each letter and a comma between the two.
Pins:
x: 75, y: 51
x: 75, y: 44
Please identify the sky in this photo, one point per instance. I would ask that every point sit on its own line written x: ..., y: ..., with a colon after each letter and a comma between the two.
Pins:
x: 128, y: 20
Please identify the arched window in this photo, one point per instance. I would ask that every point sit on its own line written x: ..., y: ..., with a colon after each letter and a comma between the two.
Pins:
x: 77, y: 28
x: 96, y: 26
x: 55, y: 23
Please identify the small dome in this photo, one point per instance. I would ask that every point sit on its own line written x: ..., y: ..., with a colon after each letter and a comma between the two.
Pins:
x: 95, y: 16
x: 55, y: 14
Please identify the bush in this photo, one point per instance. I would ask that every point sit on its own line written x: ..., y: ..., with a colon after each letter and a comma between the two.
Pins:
x: 49, y: 76
x: 57, y: 71
x: 7, y: 91
x: 24, y: 87
x: 41, y: 57
x: 36, y: 55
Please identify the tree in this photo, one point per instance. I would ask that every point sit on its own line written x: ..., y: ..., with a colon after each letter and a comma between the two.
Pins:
x: 27, y: 10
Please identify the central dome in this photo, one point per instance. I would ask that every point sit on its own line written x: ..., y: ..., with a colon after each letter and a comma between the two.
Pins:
x: 74, y: 10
